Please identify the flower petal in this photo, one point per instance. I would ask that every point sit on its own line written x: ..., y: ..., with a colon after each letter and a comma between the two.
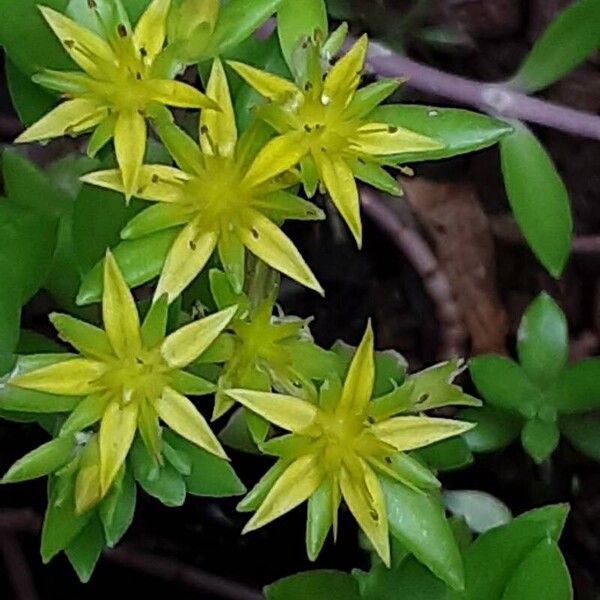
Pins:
x: 297, y: 483
x: 86, y: 338
x: 379, y: 139
x: 371, y: 96
x: 183, y: 418
x: 190, y: 341
x: 339, y: 181
x: 75, y: 377
x: 277, y: 156
x: 117, y: 430
x: 343, y: 79
x: 155, y: 218
x: 408, y: 433
x: 187, y: 257
x: 283, y: 205
x: 150, y: 31
x: 266, y: 84
x: 87, y: 49
x: 66, y: 82
x: 366, y: 502
x: 178, y: 94
x: 264, y: 239
x: 103, y: 133
x: 179, y: 144
x: 70, y: 117
x: 358, y: 386
x: 157, y: 183
x: 119, y: 312
x: 87, y: 412
x: 218, y: 132
x: 284, y: 411
x: 130, y: 147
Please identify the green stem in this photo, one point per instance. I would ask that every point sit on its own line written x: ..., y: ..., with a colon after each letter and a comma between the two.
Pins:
x: 262, y: 282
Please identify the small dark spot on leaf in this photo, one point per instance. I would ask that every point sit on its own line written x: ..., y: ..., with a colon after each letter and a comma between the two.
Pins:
x: 204, y: 130
x: 307, y: 128
x: 192, y: 245
x: 69, y: 43
x: 138, y: 76
x: 423, y: 397
x: 155, y: 178
x: 362, y: 161
x: 374, y: 515
x: 371, y: 420
x: 91, y: 4
x: 255, y: 233
x: 392, y: 129
x: 388, y: 460
x: 307, y: 86
x: 122, y: 30
x: 143, y: 52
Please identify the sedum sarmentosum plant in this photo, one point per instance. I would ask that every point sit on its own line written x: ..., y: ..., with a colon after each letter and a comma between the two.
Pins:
x: 323, y: 124
x: 122, y: 81
x: 118, y: 412
x: 221, y: 198
x: 339, y: 448
x: 127, y: 377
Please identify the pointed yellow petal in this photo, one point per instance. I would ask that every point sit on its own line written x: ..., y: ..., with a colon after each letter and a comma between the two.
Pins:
x: 75, y: 377
x: 130, y: 147
x: 181, y: 416
x: 343, y: 79
x: 119, y: 312
x: 277, y: 156
x: 189, y: 342
x: 339, y: 181
x: 117, y: 430
x: 68, y: 118
x: 187, y: 257
x: 284, y: 411
x: 296, y: 484
x: 408, y: 433
x: 218, y: 132
x: 179, y: 94
x: 87, y: 49
x: 366, y: 502
x: 157, y: 183
x: 378, y: 139
x: 266, y: 84
x: 358, y: 386
x: 86, y: 338
x: 150, y: 31
x: 264, y: 239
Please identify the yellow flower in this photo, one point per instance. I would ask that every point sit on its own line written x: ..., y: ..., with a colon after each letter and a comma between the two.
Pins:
x: 220, y: 205
x: 340, y: 448
x: 120, y: 85
x: 129, y: 376
x: 324, y: 126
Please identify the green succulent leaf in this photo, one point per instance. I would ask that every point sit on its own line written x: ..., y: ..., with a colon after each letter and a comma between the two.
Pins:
x: 84, y: 550
x: 543, y: 340
x: 583, y: 432
x: 118, y: 508
x: 569, y: 39
x: 538, y: 198
x: 495, y: 429
x: 316, y: 585
x: 579, y: 387
x: 318, y: 520
x: 460, y: 131
x: 540, y: 438
x: 447, y: 455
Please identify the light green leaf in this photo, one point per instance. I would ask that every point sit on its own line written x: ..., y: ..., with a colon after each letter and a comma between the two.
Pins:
x: 297, y: 23
x: 460, y: 131
x: 538, y: 198
x: 318, y: 519
x: 540, y: 438
x: 543, y: 340
x: 571, y: 37
x: 447, y: 455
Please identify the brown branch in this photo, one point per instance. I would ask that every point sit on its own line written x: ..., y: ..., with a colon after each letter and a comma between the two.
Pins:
x: 26, y: 521
x: 453, y: 334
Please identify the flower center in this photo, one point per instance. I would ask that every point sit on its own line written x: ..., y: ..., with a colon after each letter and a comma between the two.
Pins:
x: 135, y: 378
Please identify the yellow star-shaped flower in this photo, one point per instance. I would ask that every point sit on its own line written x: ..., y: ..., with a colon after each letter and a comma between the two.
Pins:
x: 340, y: 448
x: 129, y: 375
x: 324, y: 126
x: 120, y: 85
x: 216, y: 199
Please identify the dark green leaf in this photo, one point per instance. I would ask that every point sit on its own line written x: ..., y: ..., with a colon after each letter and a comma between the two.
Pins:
x: 540, y: 438
x: 460, y: 131
x: 318, y: 519
x: 571, y: 37
x: 84, y: 551
x: 416, y: 519
x: 164, y: 483
x: 210, y: 475
x: 542, y: 574
x: 117, y: 509
x: 543, y: 340
x: 447, y: 455
x: 495, y: 429
x: 583, y: 431
x: 503, y: 384
x: 316, y: 585
x: 295, y: 24
x: 579, y: 387
x: 538, y: 198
